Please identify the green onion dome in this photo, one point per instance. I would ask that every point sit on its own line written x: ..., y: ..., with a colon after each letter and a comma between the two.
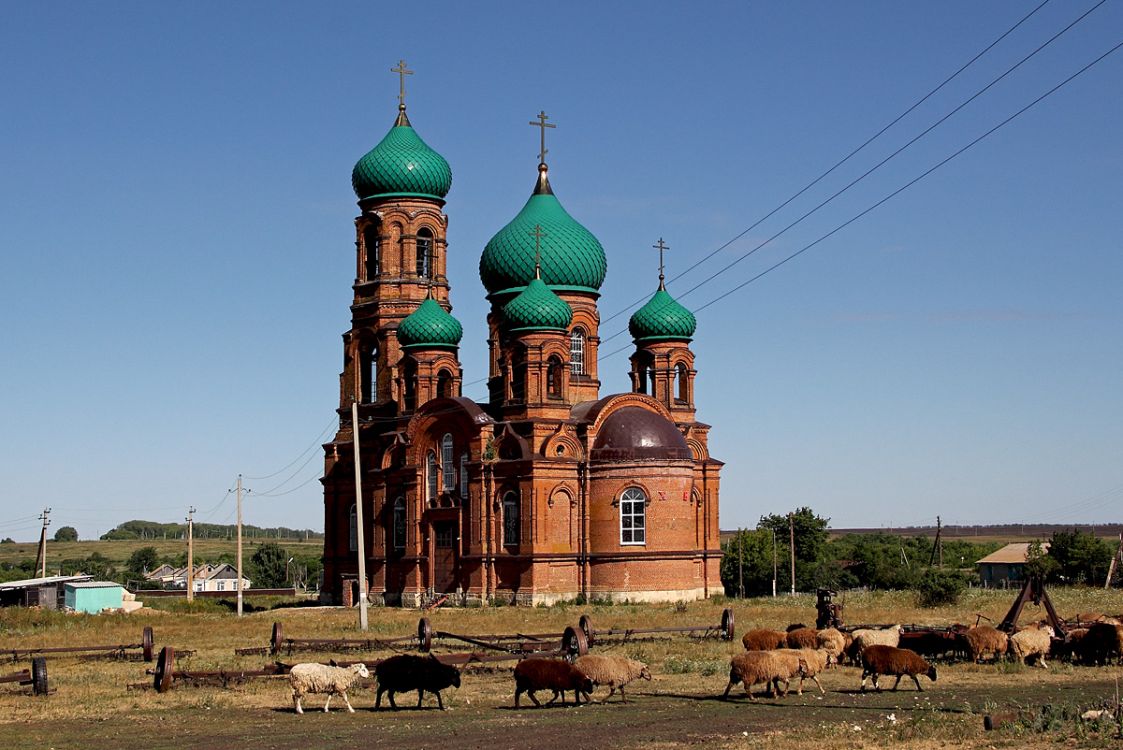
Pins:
x: 537, y: 308
x: 402, y: 165
x: 572, y: 258
x: 429, y: 326
x: 662, y: 319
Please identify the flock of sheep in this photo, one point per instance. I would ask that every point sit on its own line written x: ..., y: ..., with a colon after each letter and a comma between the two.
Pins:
x: 771, y: 657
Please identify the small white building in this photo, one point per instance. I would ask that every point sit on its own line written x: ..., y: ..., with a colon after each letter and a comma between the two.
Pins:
x: 223, y: 577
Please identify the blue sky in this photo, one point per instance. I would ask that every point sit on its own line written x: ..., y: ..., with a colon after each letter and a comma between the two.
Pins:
x: 176, y: 240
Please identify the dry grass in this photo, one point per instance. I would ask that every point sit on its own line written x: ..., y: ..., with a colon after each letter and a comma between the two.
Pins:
x: 687, y: 672
x: 119, y: 551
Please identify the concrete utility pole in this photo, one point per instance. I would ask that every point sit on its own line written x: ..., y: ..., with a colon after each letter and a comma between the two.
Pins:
x: 42, y: 555
x: 791, y: 534
x: 191, y: 554
x: 359, y: 519
x: 775, y: 567
x: 239, y: 493
x: 740, y: 562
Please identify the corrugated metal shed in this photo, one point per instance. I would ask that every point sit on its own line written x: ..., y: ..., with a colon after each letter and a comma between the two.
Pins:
x: 94, y: 596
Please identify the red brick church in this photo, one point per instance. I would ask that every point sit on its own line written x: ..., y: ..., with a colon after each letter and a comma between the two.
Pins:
x: 550, y: 490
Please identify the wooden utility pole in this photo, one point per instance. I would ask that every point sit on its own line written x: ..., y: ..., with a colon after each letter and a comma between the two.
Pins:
x: 41, y: 557
x: 791, y: 535
x: 937, y: 546
x: 740, y: 561
x: 239, y: 492
x: 1116, y: 561
x: 774, y: 563
x: 191, y: 554
x: 359, y: 519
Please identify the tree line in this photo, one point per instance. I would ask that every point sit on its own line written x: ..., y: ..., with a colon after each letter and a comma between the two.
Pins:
x: 154, y: 530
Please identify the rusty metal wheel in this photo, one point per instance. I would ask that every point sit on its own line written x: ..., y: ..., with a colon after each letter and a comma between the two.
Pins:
x: 586, y: 626
x: 424, y: 635
x: 146, y: 642
x: 165, y: 670
x: 39, y: 675
x: 727, y: 624
x: 277, y: 640
x: 574, y: 643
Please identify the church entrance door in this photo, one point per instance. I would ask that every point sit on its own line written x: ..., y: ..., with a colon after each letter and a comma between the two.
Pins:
x: 444, y: 556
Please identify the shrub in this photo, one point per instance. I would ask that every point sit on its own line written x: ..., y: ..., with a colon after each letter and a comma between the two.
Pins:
x: 937, y: 587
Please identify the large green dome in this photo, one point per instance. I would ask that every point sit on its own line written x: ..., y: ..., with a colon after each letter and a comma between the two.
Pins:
x: 429, y: 326
x: 572, y: 258
x: 662, y: 319
x: 537, y: 308
x: 402, y: 165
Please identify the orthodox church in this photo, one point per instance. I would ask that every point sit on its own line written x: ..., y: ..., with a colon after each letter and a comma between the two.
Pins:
x: 550, y: 491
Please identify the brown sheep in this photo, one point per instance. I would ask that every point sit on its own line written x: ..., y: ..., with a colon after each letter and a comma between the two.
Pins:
x: 803, y: 638
x: 768, y: 667
x: 611, y: 670
x: 812, y: 661
x: 558, y: 675
x: 832, y: 640
x: 889, y: 660
x: 1102, y: 643
x: 984, y: 641
x: 763, y: 640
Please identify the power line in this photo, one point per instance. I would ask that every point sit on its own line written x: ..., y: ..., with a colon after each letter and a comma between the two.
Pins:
x: 315, y: 444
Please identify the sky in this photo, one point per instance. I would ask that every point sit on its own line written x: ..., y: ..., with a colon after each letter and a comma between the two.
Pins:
x: 177, y: 240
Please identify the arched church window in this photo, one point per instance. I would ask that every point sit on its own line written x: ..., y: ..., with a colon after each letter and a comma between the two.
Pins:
x: 431, y: 476
x: 577, y: 352
x: 444, y: 384
x: 511, y: 521
x: 554, y: 377
x: 353, y: 530
x: 683, y: 376
x: 398, y: 532
x: 448, y: 463
x: 424, y: 253
x: 372, y: 246
x: 633, y: 516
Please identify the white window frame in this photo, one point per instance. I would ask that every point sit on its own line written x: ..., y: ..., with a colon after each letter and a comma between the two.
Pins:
x: 633, y: 507
x: 448, y: 463
x: 464, y: 474
x: 431, y: 476
x: 577, y: 342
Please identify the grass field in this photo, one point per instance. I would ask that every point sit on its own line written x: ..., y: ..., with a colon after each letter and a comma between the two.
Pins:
x: 119, y: 551
x: 92, y: 707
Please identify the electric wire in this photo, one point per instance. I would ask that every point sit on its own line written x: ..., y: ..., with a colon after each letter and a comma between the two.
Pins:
x: 314, y: 445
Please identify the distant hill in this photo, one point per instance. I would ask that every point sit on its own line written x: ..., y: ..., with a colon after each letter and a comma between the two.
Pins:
x: 1012, y: 532
x: 153, y: 530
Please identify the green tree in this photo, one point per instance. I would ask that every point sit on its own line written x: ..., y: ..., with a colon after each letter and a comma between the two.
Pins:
x: 142, y: 561
x: 1080, y: 556
x: 1039, y: 563
x: 267, y: 566
x: 66, y: 534
x: 749, y: 555
x: 940, y: 586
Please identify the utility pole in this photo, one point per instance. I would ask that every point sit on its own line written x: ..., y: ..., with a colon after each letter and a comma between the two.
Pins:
x: 1116, y: 561
x: 741, y: 563
x: 937, y: 545
x: 774, y: 563
x: 359, y: 519
x: 41, y: 562
x: 191, y: 554
x: 791, y: 535
x: 239, y: 492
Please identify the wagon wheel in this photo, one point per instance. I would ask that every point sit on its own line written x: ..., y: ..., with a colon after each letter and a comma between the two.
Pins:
x: 278, y: 638
x: 424, y: 635
x: 727, y: 625
x: 574, y: 643
x: 586, y: 626
x: 39, y: 675
x: 165, y: 670
x: 146, y: 641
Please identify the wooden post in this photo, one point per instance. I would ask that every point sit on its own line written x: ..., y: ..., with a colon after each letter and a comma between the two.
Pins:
x: 791, y: 534
x: 191, y: 555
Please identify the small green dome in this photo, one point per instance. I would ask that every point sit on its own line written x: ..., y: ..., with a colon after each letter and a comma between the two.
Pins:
x: 537, y: 308
x: 402, y: 165
x: 572, y: 258
x: 662, y: 319
x: 429, y: 326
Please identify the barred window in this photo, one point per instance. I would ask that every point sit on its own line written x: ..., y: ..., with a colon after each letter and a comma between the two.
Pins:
x: 398, y: 532
x: 448, y: 463
x: 431, y: 476
x: 511, y: 525
x: 424, y: 253
x: 464, y: 475
x: 577, y: 352
x: 633, y: 516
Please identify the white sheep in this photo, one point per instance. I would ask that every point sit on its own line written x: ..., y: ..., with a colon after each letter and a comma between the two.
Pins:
x: 320, y: 678
x: 1031, y: 642
x: 812, y: 661
x: 614, y: 671
x: 866, y: 637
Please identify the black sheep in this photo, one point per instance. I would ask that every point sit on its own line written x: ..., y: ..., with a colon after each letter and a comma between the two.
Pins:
x: 406, y: 672
x: 556, y: 675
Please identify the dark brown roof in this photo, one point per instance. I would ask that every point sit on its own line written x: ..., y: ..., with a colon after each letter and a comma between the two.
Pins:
x: 634, y: 433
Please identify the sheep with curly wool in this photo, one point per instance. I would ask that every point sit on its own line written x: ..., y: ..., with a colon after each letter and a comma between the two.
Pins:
x: 1030, y: 643
x: 557, y: 675
x: 405, y: 673
x: 614, y: 671
x: 832, y: 640
x: 309, y: 678
x: 889, y: 660
x: 802, y: 638
x: 1101, y: 644
x: 768, y: 667
x: 812, y: 662
x: 866, y: 637
x: 761, y: 639
x: 984, y: 641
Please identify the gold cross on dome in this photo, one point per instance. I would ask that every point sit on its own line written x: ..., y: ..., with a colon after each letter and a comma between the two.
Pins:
x: 538, y: 234
x: 402, y: 73
x: 661, y: 247
x: 542, y: 125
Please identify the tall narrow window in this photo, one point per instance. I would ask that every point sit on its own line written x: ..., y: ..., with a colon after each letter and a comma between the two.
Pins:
x: 554, y: 378
x: 633, y: 516
x: 431, y: 476
x: 577, y: 352
x: 372, y: 375
x: 683, y: 381
x: 444, y: 384
x: 448, y: 464
x: 424, y: 253
x: 409, y: 372
x: 353, y: 531
x: 511, y: 525
x: 398, y: 532
x: 372, y: 244
x: 464, y: 475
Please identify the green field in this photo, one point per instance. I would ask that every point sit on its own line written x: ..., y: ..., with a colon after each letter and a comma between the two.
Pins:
x: 118, y: 552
